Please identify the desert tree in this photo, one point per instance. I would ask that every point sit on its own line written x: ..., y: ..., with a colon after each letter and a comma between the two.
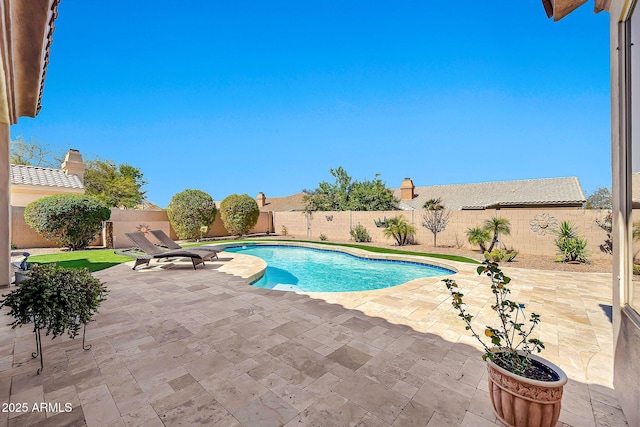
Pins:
x: 116, y: 185
x: 600, y: 199
x: 347, y: 194
x: 435, y: 218
x: 34, y: 153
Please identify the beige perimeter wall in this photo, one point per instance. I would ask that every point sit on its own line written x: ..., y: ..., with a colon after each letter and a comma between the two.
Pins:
x: 524, y: 235
x: 336, y: 225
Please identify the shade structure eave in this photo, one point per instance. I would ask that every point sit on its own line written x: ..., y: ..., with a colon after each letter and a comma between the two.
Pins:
x: 558, y: 9
x: 26, y: 34
x: 26, y: 31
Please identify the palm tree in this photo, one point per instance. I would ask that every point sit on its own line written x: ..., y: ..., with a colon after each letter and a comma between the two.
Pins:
x: 497, y: 225
x: 433, y: 204
x: 400, y: 230
x: 478, y: 236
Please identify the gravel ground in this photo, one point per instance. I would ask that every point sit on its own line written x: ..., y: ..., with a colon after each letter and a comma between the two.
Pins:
x: 529, y: 261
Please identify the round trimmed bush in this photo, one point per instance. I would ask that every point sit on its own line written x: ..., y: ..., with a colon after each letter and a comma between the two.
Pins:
x: 189, y: 210
x: 239, y: 213
x: 71, y: 220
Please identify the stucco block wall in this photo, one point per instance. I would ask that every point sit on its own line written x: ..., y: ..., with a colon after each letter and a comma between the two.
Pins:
x: 336, y: 226
x: 24, y: 236
x: 22, y: 196
x: 263, y: 225
x: 130, y: 220
x: 295, y: 223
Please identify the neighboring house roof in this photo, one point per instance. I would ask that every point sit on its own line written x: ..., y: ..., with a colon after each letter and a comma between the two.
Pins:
x: 486, y: 195
x: 284, y: 204
x: 148, y: 206
x: 48, y: 177
x: 544, y: 192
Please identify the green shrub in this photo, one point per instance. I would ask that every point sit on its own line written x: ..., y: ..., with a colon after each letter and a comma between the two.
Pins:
x: 189, y: 210
x: 71, y: 220
x: 400, y: 230
x: 500, y: 255
x: 571, y: 247
x: 478, y: 236
x: 239, y: 213
x: 359, y: 233
x: 323, y: 237
x: 636, y: 269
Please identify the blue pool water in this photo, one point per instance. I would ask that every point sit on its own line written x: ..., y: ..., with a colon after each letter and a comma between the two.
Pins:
x: 315, y: 270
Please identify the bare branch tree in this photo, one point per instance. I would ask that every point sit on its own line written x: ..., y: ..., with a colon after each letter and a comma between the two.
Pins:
x: 34, y: 153
x: 435, y: 218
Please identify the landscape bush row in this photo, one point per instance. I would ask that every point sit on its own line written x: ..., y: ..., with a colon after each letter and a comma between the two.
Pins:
x: 73, y: 221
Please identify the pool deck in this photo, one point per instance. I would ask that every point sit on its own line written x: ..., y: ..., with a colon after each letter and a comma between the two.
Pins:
x: 174, y: 346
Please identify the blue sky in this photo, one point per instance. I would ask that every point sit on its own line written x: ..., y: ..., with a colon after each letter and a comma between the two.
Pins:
x: 250, y: 96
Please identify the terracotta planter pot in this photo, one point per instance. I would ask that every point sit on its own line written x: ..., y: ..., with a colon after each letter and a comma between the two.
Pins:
x: 520, y: 402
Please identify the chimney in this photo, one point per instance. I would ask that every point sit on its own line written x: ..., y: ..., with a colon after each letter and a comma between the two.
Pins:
x: 406, y: 189
x: 73, y: 164
x: 261, y: 199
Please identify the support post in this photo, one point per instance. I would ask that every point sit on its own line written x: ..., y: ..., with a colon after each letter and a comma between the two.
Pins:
x: 5, y: 207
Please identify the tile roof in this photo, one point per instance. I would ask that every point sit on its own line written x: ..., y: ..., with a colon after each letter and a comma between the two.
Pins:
x: 485, y: 195
x: 530, y: 192
x: 284, y: 204
x: 49, y: 177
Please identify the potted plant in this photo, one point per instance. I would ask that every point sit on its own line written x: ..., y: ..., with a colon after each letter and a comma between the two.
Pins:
x: 55, y: 300
x: 525, y: 389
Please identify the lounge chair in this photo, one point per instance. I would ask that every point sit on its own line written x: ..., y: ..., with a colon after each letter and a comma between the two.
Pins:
x: 169, y: 243
x: 145, y: 251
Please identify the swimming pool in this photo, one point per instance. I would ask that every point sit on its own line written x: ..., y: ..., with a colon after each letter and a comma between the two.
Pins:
x: 317, y: 270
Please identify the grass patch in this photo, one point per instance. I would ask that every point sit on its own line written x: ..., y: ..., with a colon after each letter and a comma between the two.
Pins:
x: 93, y: 260
x: 363, y: 247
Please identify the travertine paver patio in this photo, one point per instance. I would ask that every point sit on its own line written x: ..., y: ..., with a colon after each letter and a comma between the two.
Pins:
x: 182, y: 347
